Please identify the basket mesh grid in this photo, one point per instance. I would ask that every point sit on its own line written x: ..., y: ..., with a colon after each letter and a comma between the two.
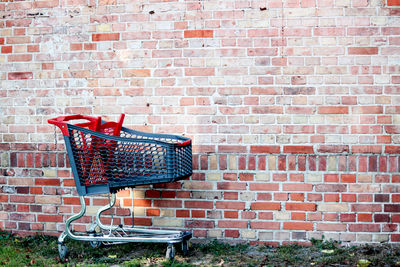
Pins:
x: 134, y: 158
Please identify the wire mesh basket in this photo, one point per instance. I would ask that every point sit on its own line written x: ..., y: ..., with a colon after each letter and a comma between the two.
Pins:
x: 112, y: 157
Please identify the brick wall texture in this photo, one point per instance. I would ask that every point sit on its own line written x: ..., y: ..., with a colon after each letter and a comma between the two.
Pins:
x: 293, y: 107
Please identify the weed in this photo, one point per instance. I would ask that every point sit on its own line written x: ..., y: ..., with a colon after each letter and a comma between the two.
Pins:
x: 5, y: 235
x: 325, y: 244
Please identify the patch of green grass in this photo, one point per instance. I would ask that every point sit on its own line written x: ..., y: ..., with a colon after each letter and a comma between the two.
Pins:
x: 42, y: 251
x: 15, y: 251
x: 218, y: 248
x: 325, y: 244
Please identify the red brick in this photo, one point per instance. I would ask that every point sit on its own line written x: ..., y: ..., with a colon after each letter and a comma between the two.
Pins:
x: 364, y: 228
x: 298, y: 216
x: 136, y: 73
x: 167, y: 203
x: 75, y: 46
x: 199, y: 204
x: 47, y: 182
x: 168, y: 194
x: 231, y: 186
x: 20, y: 75
x: 282, y: 163
x: 73, y: 201
x: 270, y: 225
x: 90, y: 46
x: 33, y: 48
x: 349, y: 197
x: 363, y: 50
x: 248, y: 215
x: 138, y: 202
x: 367, y: 110
x: 392, y: 208
x: 331, y: 178
x: 96, y: 37
x: 19, y: 57
x: 199, y: 72
x: 265, y: 149
x: 265, y: 206
x: 330, y: 188
x: 36, y: 190
x: 22, y: 199
x: 392, y: 149
x: 331, y: 197
x: 228, y: 214
x: 393, y: 2
x: 297, y: 177
x: 246, y: 176
x: 299, y: 129
x: 3, y: 198
x: 139, y: 221
x: 297, y: 196
x: 232, y: 233
x: 198, y: 33
x: 366, y: 149
x: 347, y: 217
x: 335, y: 227
x: 297, y: 187
x: 6, y: 49
x: 279, y: 177
x: 264, y: 196
x: 348, y: 178
x: 333, y: 110
x: 301, y: 206
x: 232, y: 224
x: 298, y: 226
x: 49, y: 218
x: 264, y: 187
x: 198, y: 214
x: 298, y: 149
x: 230, y: 205
x: 367, y: 208
x: 182, y: 213
x: 281, y: 196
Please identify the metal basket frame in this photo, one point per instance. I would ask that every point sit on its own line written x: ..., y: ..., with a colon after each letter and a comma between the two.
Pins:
x: 177, y: 167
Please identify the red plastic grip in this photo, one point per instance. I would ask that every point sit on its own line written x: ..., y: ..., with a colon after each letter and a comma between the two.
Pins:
x: 185, y: 143
x: 60, y: 122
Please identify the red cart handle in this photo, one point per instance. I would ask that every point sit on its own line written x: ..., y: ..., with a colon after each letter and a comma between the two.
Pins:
x: 60, y: 122
x: 185, y: 143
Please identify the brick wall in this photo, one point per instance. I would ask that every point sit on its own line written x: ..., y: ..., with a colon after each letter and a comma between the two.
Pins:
x: 293, y: 108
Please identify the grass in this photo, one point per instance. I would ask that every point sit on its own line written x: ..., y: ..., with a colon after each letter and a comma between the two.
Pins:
x: 42, y: 251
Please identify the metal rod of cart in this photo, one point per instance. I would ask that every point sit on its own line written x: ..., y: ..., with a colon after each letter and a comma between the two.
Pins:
x: 106, y: 157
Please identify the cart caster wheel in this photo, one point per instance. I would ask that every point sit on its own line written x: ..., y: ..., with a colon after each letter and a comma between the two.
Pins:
x: 62, y: 251
x: 95, y: 244
x: 185, y: 247
x: 170, y: 254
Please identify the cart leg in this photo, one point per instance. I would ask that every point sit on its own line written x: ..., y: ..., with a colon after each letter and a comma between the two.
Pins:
x: 171, y: 251
x: 62, y: 248
x: 103, y: 209
x: 185, y: 247
x: 62, y: 251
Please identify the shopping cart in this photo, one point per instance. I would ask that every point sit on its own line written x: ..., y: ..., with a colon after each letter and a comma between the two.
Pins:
x: 106, y: 157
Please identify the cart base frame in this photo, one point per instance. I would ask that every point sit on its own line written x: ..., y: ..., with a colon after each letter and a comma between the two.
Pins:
x: 100, y: 233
